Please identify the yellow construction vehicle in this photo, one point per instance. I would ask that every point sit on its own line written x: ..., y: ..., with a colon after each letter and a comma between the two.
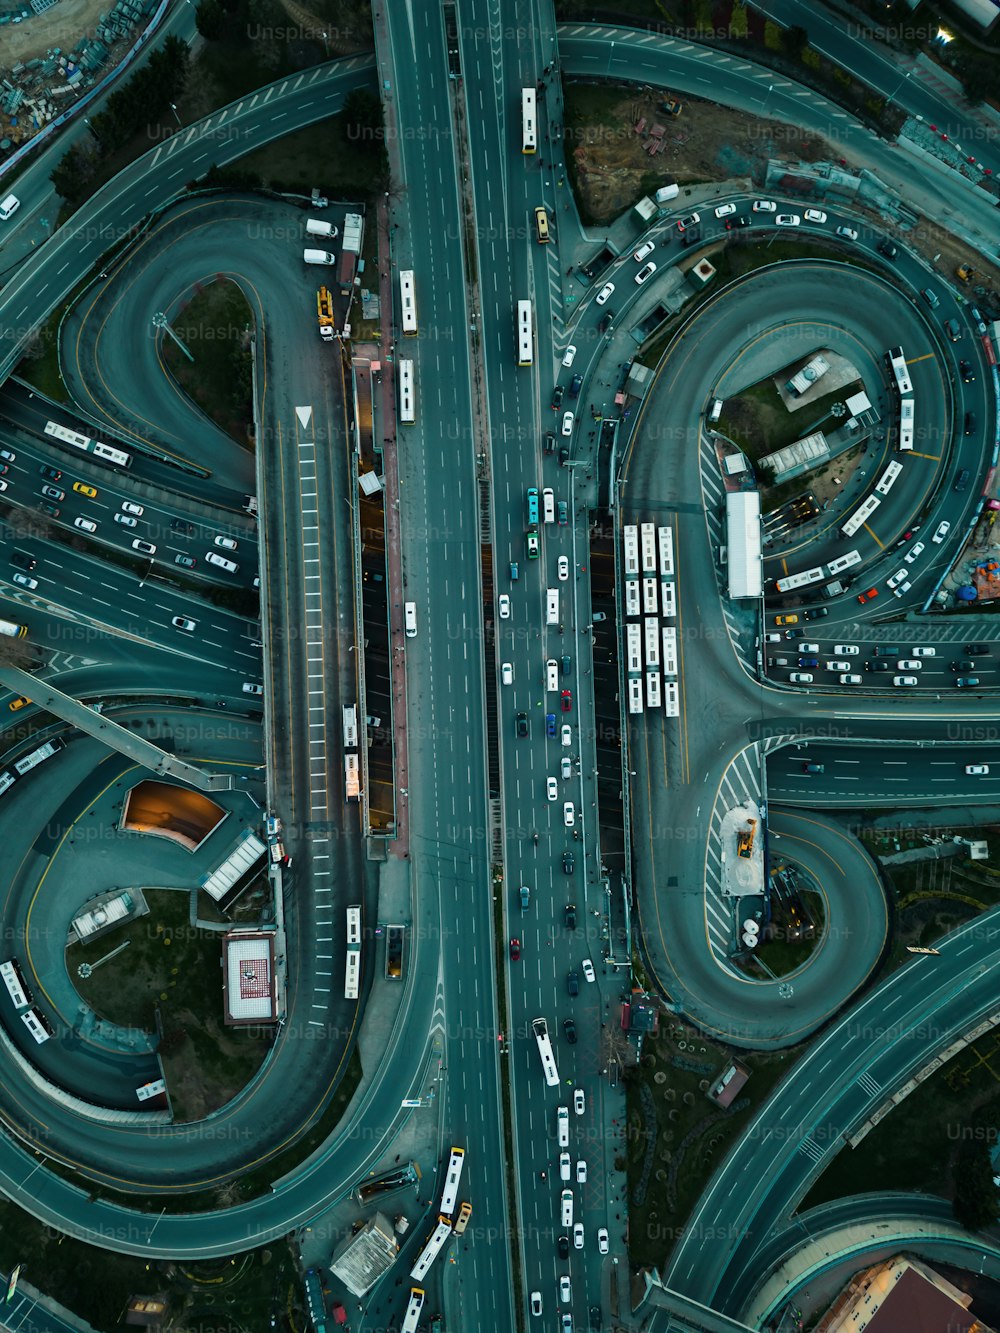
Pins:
x: 324, y: 310
x: 745, y: 837
x: 965, y: 273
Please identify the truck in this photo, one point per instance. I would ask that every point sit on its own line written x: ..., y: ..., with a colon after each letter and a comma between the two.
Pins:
x: 965, y: 273
x: 314, y: 227
x: 671, y: 106
x: 394, y: 952
x: 835, y: 588
x: 324, y: 312
x: 806, y: 377
x: 318, y: 257
x: 745, y: 838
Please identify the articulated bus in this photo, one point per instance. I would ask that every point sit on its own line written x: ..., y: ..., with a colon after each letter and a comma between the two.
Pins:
x: 843, y: 562
x: 435, y: 1244
x: 407, y: 398
x: 525, y: 334
x: 860, y: 516
x: 17, y: 987
x: 407, y: 302
x: 11, y: 630
x: 116, y: 456
x: 529, y: 128
x: 888, y: 478
x: 413, y: 1308
x: 541, y: 1030
x: 906, y: 413
x: 449, y: 1195
x: 896, y: 362
x: 800, y: 580
x: 352, y: 969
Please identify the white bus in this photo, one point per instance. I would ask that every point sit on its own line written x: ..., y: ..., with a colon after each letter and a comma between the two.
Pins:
x: 413, y: 1308
x: 653, y: 699
x: 630, y: 536
x: 671, y: 699
x: 407, y: 400
x: 896, y: 362
x: 666, y: 539
x: 802, y: 580
x: 351, y: 727
x: 860, y: 516
x: 633, y: 642
x: 635, y: 694
x: 906, y: 419
x: 17, y: 988
x: 38, y: 756
x: 12, y: 631
x: 668, y: 600
x: 888, y: 478
x: 435, y: 1244
x: 407, y: 302
x: 89, y: 446
x: 7, y: 780
x: 148, y: 1090
x: 352, y: 967
x: 37, y: 1025
x: 525, y: 334
x: 647, y: 532
x: 652, y: 636
x: 529, y: 128
x: 633, y: 604
x: 352, y: 778
x: 452, y: 1180
x: 843, y: 562
x: 669, y: 650
x: 541, y: 1030
x: 650, y: 601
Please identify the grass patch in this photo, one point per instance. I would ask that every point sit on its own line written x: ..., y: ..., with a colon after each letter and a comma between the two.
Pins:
x: 216, y: 326
x: 326, y: 155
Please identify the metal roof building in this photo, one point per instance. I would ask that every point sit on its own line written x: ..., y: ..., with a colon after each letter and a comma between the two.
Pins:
x: 744, y: 543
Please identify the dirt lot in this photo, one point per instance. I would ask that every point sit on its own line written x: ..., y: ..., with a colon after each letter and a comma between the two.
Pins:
x: 61, y: 26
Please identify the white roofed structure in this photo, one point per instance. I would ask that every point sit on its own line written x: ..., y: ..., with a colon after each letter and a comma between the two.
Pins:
x: 743, y: 539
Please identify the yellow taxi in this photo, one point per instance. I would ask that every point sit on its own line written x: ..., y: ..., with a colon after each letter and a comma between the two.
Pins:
x: 786, y: 620
x: 82, y: 488
x: 19, y: 702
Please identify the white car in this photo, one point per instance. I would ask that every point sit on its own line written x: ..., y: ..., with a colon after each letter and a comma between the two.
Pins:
x: 256, y: 690
x: 838, y: 666
x: 552, y: 789
x: 25, y: 581
x: 579, y: 1101
x: 765, y: 206
x: 787, y: 220
x: 564, y: 1166
x: 567, y: 423
x: 977, y: 770
x: 645, y: 273
x: 581, y: 1179
x: 800, y: 677
x: 940, y: 532
x: 774, y: 637
x: 562, y: 568
x: 903, y: 589
x: 850, y: 680
x: 643, y: 251
x: 569, y: 814
x: 536, y: 1302
x: 86, y: 524
x: 566, y: 768
x: 602, y: 1240
x: 227, y: 543
x: 504, y: 605
x: 909, y: 664
x: 144, y: 547
x: 724, y: 210
x: 848, y: 233
x: 896, y: 579
x: 692, y: 220
x: 587, y: 968
x: 566, y: 734
x: 507, y: 673
x: 846, y: 649
x: 904, y: 680
x: 126, y: 520
x: 925, y: 652
x: 912, y: 555
x: 183, y: 622
x: 129, y: 507
x: 565, y: 1290
x: 569, y: 356
x: 578, y: 1233
x: 605, y: 294
x: 814, y: 215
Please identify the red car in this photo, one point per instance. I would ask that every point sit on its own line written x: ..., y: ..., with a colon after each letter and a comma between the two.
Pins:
x: 867, y: 596
x: 515, y: 950
x: 566, y: 701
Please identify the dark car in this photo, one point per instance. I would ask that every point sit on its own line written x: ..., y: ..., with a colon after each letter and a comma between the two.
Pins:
x: 23, y: 560
x: 181, y: 525
x: 596, y: 1321
x: 604, y: 323
x: 564, y: 455
x: 573, y: 983
x: 887, y: 248
x: 965, y: 664
x: 967, y: 682
x: 566, y: 700
x: 962, y: 480
x: 52, y: 473
x: 562, y: 1244
x: 550, y: 724
x: 575, y: 385
x: 970, y: 422
x: 549, y: 442
x: 569, y: 1028
x: 515, y: 950
x: 186, y: 561
x: 977, y: 650
x: 966, y: 371
x: 813, y: 768
x: 557, y: 397
x: 817, y: 613
x: 568, y: 862
x: 881, y: 665
x: 566, y: 664
x: 53, y: 511
x: 522, y: 724
x: 808, y: 661
x: 569, y: 916
x: 738, y: 221
x: 4, y: 468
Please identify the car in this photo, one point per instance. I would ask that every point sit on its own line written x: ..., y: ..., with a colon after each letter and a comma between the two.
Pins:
x: 930, y: 297
x: 904, y: 680
x: 550, y: 724
x: 565, y: 1171
x: 130, y: 507
x: 53, y: 493
x: 786, y: 620
x: 569, y: 814
x: 573, y: 983
x: 977, y: 319
x: 578, y: 1226
x: 52, y: 473
x: 143, y: 547
x: 514, y: 571
x: 521, y: 725
x: 503, y: 604
x: 772, y: 637
x: 257, y: 691
x: 549, y: 442
x: 977, y: 650
x: 563, y: 459
x: 575, y: 385
x: 594, y: 1315
x: 185, y: 623
x: 23, y: 560
x: 909, y: 664
x: 579, y: 1101
x: 507, y: 673
x: 181, y: 525
x: 849, y: 679
x: 689, y: 223
x: 566, y: 700
x: 566, y: 734
x: 567, y: 423
x: 24, y: 581
x: 925, y: 652
x: 838, y: 666
x: 82, y: 488
x: 817, y: 613
x: 953, y: 329
x: 587, y: 968
x: 562, y: 568
x: 970, y: 426
x: 186, y: 561
x: 765, y: 206
x: 787, y: 220
x: 846, y: 649
x: 227, y: 543
x: 52, y: 510
x: 868, y: 596
x: 878, y: 666
x: 18, y: 702
x: 605, y: 322
x: 569, y: 1031
x: 814, y: 215
x: 808, y: 662
x: 605, y: 294
x: 779, y: 662
x: 562, y: 1243
x: 557, y: 397
x: 569, y: 916
x: 848, y: 233
x: 808, y: 647
x: 4, y: 469
x: 515, y: 950
x: 569, y: 356
x: 565, y: 1290
x: 967, y: 373
x: 568, y: 862
x: 126, y: 520
x: 566, y: 664
x: 887, y: 248
x: 724, y: 210
x: 551, y: 789
x: 532, y: 542
x: 85, y: 524
x: 964, y: 664
x: 643, y: 251
x: 738, y: 221
x: 967, y: 682
x: 903, y: 589
x: 912, y: 554
x: 894, y: 580
x: 977, y: 770
x: 646, y: 272
x: 800, y: 678
x: 8, y: 455
x: 536, y: 1302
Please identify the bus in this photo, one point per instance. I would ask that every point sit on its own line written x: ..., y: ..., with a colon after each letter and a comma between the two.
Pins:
x: 38, y: 756
x: 647, y: 532
x: 843, y: 562
x: 541, y: 1030
x: 525, y: 334
x: 635, y: 694
x: 532, y: 505
x: 352, y: 968
x: 148, y: 1090
x: 888, y: 478
x: 351, y: 727
x: 666, y: 540
x: 413, y: 1307
x: 11, y: 630
x: 669, y: 650
x: 653, y: 698
x: 633, y: 605
x: 38, y: 1025
x: 800, y: 580
x: 7, y: 780
x: 435, y: 1244
x: 17, y: 987
x: 529, y: 128
x: 906, y: 411
x: 633, y: 643
x: 652, y: 637
x: 449, y: 1195
x: 630, y: 537
x: 407, y: 302
x: 896, y: 362
x: 671, y: 699
x: 407, y: 401
x: 860, y: 516
x: 352, y: 778
x: 650, y: 596
x: 104, y: 451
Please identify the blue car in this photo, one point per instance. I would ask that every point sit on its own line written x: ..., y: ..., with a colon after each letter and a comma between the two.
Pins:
x: 513, y: 571
x: 550, y: 724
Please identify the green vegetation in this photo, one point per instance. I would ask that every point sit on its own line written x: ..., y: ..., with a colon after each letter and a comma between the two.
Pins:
x: 331, y: 156
x: 216, y: 327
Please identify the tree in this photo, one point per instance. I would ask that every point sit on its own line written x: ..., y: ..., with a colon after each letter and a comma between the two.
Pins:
x: 976, y: 1199
x: 795, y: 40
x: 72, y: 174
x: 210, y: 20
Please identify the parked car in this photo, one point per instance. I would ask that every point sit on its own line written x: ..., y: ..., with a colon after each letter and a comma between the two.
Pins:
x: 724, y: 210
x: 814, y: 215
x: 765, y: 206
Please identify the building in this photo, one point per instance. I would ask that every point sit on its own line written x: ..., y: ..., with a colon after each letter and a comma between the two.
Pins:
x: 743, y: 543
x: 366, y: 1255
x: 248, y: 982
x: 901, y: 1293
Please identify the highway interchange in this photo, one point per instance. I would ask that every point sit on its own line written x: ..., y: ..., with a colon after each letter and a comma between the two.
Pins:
x: 731, y: 716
